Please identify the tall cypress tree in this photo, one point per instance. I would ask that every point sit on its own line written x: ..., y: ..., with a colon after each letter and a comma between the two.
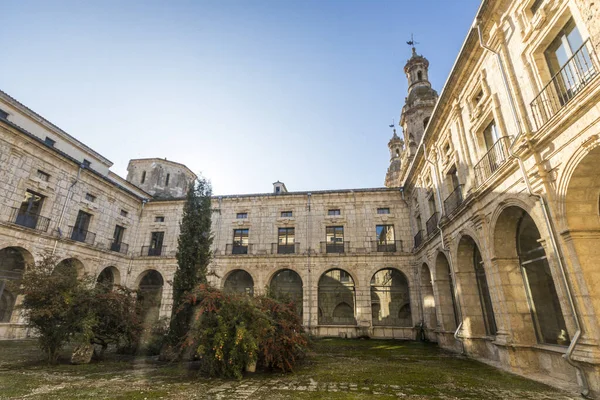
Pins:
x: 193, y: 255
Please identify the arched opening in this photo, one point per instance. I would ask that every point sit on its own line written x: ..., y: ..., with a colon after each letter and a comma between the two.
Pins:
x: 108, y: 277
x: 239, y: 281
x: 286, y: 286
x: 518, y: 250
x: 390, y: 299
x: 478, y: 313
x: 150, y: 291
x: 582, y: 211
x: 428, y: 298
x: 445, y: 289
x: 420, y: 75
x: 70, y: 266
x: 336, y: 298
x: 13, y: 261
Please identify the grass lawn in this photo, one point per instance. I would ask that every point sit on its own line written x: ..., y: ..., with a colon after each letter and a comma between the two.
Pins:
x: 335, y: 369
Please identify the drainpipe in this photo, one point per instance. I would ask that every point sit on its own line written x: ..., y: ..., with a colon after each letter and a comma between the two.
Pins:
x: 308, y: 242
x: 437, y: 184
x: 62, y: 213
x: 568, y: 355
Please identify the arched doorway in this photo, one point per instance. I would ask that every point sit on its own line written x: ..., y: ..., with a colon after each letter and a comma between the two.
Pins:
x: 286, y: 286
x: 150, y: 289
x: 428, y: 298
x: 13, y: 261
x: 390, y: 299
x: 336, y: 298
x: 444, y: 284
x: 108, y: 277
x: 239, y: 281
x: 517, y: 247
x: 477, y: 311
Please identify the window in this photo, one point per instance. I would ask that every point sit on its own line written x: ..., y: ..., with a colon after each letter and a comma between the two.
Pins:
x: 90, y: 197
x: 28, y: 214
x: 536, y: 6
x: 384, y: 210
x: 285, y: 240
x: 478, y: 97
x: 124, y: 213
x: 86, y: 163
x: 334, y: 239
x: 335, y: 211
x: 143, y: 177
x: 116, y: 244
x: 50, y: 142
x: 167, y: 180
x: 156, y: 243
x: 420, y: 75
x: 3, y: 114
x: 431, y: 204
x: 425, y: 122
x: 43, y: 176
x: 80, y: 229
x: 277, y: 189
x: 159, y: 219
x: 286, y: 214
x: 386, y: 241
x: 240, y: 241
x: 241, y: 215
x: 491, y: 135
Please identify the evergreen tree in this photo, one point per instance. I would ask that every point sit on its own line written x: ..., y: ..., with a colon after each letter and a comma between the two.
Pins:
x: 193, y: 256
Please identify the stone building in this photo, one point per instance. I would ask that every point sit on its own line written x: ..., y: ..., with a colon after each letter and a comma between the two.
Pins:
x: 484, y: 239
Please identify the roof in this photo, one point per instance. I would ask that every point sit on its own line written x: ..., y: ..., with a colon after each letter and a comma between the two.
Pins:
x: 164, y: 160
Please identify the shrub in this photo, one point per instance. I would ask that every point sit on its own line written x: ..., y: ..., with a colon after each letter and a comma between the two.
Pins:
x: 154, y: 337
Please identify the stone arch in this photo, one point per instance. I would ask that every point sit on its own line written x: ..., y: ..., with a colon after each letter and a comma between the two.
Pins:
x: 71, y: 265
x: 336, y: 286
x: 477, y: 310
x: 13, y: 262
x: 150, y: 285
x: 444, y: 287
x: 390, y: 298
x: 286, y: 285
x: 427, y: 297
x: 522, y: 263
x: 109, y: 276
x: 239, y: 281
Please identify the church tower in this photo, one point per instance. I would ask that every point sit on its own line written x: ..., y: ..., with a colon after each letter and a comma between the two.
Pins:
x: 418, y: 106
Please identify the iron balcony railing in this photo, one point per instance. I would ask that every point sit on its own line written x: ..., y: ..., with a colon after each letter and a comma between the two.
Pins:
x: 492, y: 160
x: 577, y: 72
x: 82, y: 235
x: 335, y: 247
x: 238, y: 249
x: 29, y: 220
x: 390, y: 246
x: 418, y: 239
x: 150, y: 251
x: 454, y: 200
x: 277, y: 248
x: 119, y: 247
x: 431, y: 224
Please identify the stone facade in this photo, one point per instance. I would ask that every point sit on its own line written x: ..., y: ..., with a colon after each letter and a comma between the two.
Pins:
x: 484, y: 239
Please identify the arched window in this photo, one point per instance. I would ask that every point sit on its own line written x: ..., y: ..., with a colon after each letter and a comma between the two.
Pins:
x: 484, y: 293
x: 239, y: 281
x: 336, y: 298
x: 541, y: 292
x: 390, y: 299
x: 420, y: 75
x: 286, y: 286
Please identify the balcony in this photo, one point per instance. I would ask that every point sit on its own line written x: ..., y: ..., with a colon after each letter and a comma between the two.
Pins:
x: 119, y: 247
x: 577, y: 73
x: 431, y: 224
x: 81, y: 235
x: 392, y: 246
x: 32, y: 221
x: 149, y: 251
x: 277, y: 248
x: 492, y: 160
x: 335, y: 247
x: 238, y: 249
x: 454, y: 200
x: 418, y: 239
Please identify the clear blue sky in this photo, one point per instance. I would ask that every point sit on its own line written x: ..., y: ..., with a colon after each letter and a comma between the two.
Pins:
x: 246, y: 92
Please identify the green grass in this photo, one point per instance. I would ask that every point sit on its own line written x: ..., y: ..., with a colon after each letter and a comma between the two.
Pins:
x: 336, y: 369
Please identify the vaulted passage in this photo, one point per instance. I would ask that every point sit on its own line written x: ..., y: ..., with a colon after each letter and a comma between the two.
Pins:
x: 336, y: 298
x: 390, y: 299
x: 286, y: 286
x: 12, y: 265
x: 150, y: 295
x: 239, y: 281
x: 445, y: 293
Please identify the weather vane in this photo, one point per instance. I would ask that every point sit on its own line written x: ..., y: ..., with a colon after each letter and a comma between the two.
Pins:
x: 412, y: 43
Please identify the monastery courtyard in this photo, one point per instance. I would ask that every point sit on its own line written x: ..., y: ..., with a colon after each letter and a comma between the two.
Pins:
x: 335, y: 369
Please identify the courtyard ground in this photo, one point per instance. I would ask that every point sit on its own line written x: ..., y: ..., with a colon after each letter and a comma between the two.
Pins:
x: 335, y: 369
